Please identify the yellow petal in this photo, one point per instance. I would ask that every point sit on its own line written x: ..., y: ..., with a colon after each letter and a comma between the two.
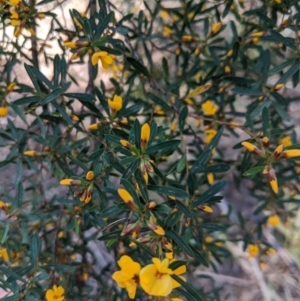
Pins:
x: 249, y: 146
x: 125, y: 195
x: 3, y: 111
x: 291, y: 153
x: 153, y: 283
x: 273, y: 220
x: 90, y: 175
x: 145, y: 132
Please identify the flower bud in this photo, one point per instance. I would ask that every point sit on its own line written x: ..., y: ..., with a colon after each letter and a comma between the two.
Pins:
x: 187, y: 38
x: 145, y: 135
x: 215, y: 28
x: 278, y: 87
x: 70, y: 182
x: 278, y: 151
x: 127, y: 198
x: 273, y: 220
x: 89, y: 176
x: 273, y: 180
x: 252, y: 148
x: 94, y: 126
x: 266, y: 142
x: 290, y: 153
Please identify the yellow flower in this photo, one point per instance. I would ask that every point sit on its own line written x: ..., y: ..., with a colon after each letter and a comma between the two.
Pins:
x: 69, y: 182
x: 286, y: 141
x: 266, y: 141
x: 273, y: 220
x: 164, y: 14
x: 10, y: 87
x: 14, y: 14
x: 127, y: 277
x: 210, y: 134
x: 178, y: 272
x: 4, y: 254
x: 210, y: 178
x: 55, y: 294
x: 209, y: 108
x: 257, y: 34
x: 145, y: 135
x: 253, y: 250
x: 167, y: 31
x: 104, y: 57
x: 187, y: 38
x: 127, y: 198
x: 151, y: 223
x: 116, y: 103
x: 94, y: 126
x: 30, y: 153
x: 278, y: 151
x: 227, y: 69
x: 278, y: 87
x: 273, y: 180
x: 291, y: 153
x: 13, y: 2
x: 215, y: 28
x: 71, y: 45
x: 89, y: 176
x: 206, y: 208
x: 125, y: 195
x: 15, y: 22
x: 155, y: 279
x: 3, y: 111
x: 41, y: 16
x: 230, y: 53
x: 251, y: 148
x: 4, y: 205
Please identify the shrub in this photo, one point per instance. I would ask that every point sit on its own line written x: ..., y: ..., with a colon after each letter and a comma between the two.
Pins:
x: 177, y: 99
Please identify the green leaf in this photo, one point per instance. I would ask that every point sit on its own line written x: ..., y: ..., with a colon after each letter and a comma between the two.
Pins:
x: 51, y: 96
x: 265, y: 122
x: 244, y: 91
x: 201, y: 161
x: 253, y: 171
x: 81, y: 96
x: 32, y: 78
x: 27, y: 100
x: 193, y: 295
x: 13, y: 275
x: 181, y: 163
x: 102, y: 26
x: 142, y: 185
x: 282, y: 66
x: 169, y: 191
x: 180, y: 242
x: 182, y: 116
x: 213, y: 168
x: 138, y: 66
x: 213, y: 227
x: 129, y: 187
x: 289, y: 73
x: 216, y: 139
x: 257, y: 111
x: 110, y: 211
x: 209, y: 193
x: 34, y: 245
x: 158, y: 101
x: 184, y: 209
x: 281, y: 112
x: 131, y: 169
x: 172, y: 220
x: 163, y: 148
